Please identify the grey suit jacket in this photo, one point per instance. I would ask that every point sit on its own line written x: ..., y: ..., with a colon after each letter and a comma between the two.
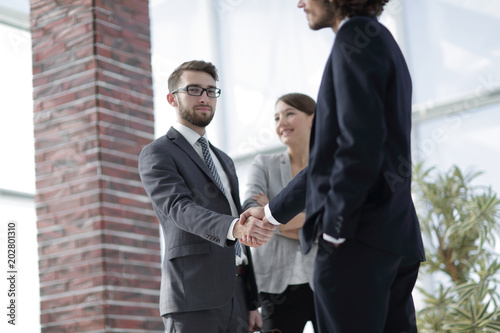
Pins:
x: 198, y: 269
x: 274, y: 261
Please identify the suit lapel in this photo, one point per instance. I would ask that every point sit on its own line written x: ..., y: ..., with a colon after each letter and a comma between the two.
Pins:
x: 183, y: 144
x: 285, y: 169
x: 231, y: 175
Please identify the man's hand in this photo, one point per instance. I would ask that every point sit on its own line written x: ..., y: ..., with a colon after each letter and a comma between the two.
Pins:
x: 259, y: 230
x: 257, y: 212
x: 254, y: 321
x: 253, y: 232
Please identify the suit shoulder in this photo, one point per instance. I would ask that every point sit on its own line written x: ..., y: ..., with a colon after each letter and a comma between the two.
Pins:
x: 362, y: 40
x: 360, y: 31
x: 363, y: 23
x: 160, y: 144
x: 272, y: 158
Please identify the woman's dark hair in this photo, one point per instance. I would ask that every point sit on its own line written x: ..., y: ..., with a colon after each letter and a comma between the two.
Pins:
x: 299, y: 101
x: 350, y: 8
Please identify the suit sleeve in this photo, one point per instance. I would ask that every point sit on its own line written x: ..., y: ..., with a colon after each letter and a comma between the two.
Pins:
x: 360, y: 76
x: 175, y: 202
x: 257, y: 182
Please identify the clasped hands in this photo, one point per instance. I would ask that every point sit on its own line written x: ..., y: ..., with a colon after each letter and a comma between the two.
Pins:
x: 253, y: 229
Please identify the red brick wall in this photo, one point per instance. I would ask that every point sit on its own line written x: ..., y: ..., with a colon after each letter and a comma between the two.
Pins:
x: 93, y: 112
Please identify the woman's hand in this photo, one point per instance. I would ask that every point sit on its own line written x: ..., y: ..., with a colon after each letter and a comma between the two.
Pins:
x: 261, y: 199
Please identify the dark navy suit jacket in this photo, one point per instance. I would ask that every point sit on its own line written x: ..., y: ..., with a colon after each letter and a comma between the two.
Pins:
x: 358, y: 182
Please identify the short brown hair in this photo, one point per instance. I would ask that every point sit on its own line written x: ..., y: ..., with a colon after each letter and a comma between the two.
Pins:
x: 193, y: 65
x: 350, y: 8
x: 299, y: 101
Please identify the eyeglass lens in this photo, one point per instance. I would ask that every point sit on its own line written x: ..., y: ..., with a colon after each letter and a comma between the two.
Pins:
x: 198, y: 91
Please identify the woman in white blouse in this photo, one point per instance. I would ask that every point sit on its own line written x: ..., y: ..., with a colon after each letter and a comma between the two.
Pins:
x: 283, y: 273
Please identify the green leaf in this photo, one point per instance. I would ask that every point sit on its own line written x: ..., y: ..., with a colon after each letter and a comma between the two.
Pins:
x: 459, y: 223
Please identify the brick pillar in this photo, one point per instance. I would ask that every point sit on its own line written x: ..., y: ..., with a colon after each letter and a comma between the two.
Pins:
x: 93, y: 112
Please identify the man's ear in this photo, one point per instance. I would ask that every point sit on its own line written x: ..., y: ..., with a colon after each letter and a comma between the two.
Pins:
x: 171, y: 100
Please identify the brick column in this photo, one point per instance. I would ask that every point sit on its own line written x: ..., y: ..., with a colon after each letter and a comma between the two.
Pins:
x: 93, y: 112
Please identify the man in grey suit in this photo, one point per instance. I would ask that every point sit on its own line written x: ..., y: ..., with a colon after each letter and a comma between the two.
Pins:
x: 205, y: 286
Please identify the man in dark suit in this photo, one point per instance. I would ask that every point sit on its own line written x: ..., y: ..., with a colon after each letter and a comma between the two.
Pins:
x: 205, y: 286
x: 357, y: 188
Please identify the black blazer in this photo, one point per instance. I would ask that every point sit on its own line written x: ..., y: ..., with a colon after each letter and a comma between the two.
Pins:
x: 358, y: 182
x: 198, y: 270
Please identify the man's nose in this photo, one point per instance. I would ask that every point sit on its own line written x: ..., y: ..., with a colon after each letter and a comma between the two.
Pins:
x: 204, y: 96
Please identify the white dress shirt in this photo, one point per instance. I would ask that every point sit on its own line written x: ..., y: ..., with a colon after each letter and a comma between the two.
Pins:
x: 192, y: 137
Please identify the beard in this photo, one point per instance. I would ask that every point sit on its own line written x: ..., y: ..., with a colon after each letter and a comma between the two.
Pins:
x: 328, y: 13
x: 191, y: 116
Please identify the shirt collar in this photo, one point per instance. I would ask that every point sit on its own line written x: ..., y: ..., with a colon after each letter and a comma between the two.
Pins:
x: 342, y: 23
x: 190, y: 135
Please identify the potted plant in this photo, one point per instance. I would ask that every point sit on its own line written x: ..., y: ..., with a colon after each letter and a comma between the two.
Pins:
x: 459, y: 223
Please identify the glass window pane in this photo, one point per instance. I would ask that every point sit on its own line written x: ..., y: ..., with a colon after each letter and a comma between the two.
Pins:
x: 468, y: 139
x: 453, y: 47
x: 16, y: 125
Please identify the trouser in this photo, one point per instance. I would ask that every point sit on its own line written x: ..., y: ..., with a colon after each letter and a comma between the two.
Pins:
x: 230, y: 318
x: 288, y: 311
x: 359, y: 288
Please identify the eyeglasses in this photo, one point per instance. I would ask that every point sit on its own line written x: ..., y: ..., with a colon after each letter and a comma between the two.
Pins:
x: 198, y: 91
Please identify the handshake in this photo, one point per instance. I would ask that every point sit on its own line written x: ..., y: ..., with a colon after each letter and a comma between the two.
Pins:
x: 253, y: 229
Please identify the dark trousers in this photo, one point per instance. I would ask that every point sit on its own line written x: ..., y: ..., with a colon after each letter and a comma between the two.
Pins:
x: 230, y: 318
x: 288, y: 311
x: 359, y: 289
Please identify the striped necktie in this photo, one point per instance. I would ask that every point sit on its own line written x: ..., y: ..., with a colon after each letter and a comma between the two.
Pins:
x: 210, y: 163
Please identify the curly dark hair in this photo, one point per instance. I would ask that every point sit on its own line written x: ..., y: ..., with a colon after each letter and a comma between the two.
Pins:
x: 350, y: 8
